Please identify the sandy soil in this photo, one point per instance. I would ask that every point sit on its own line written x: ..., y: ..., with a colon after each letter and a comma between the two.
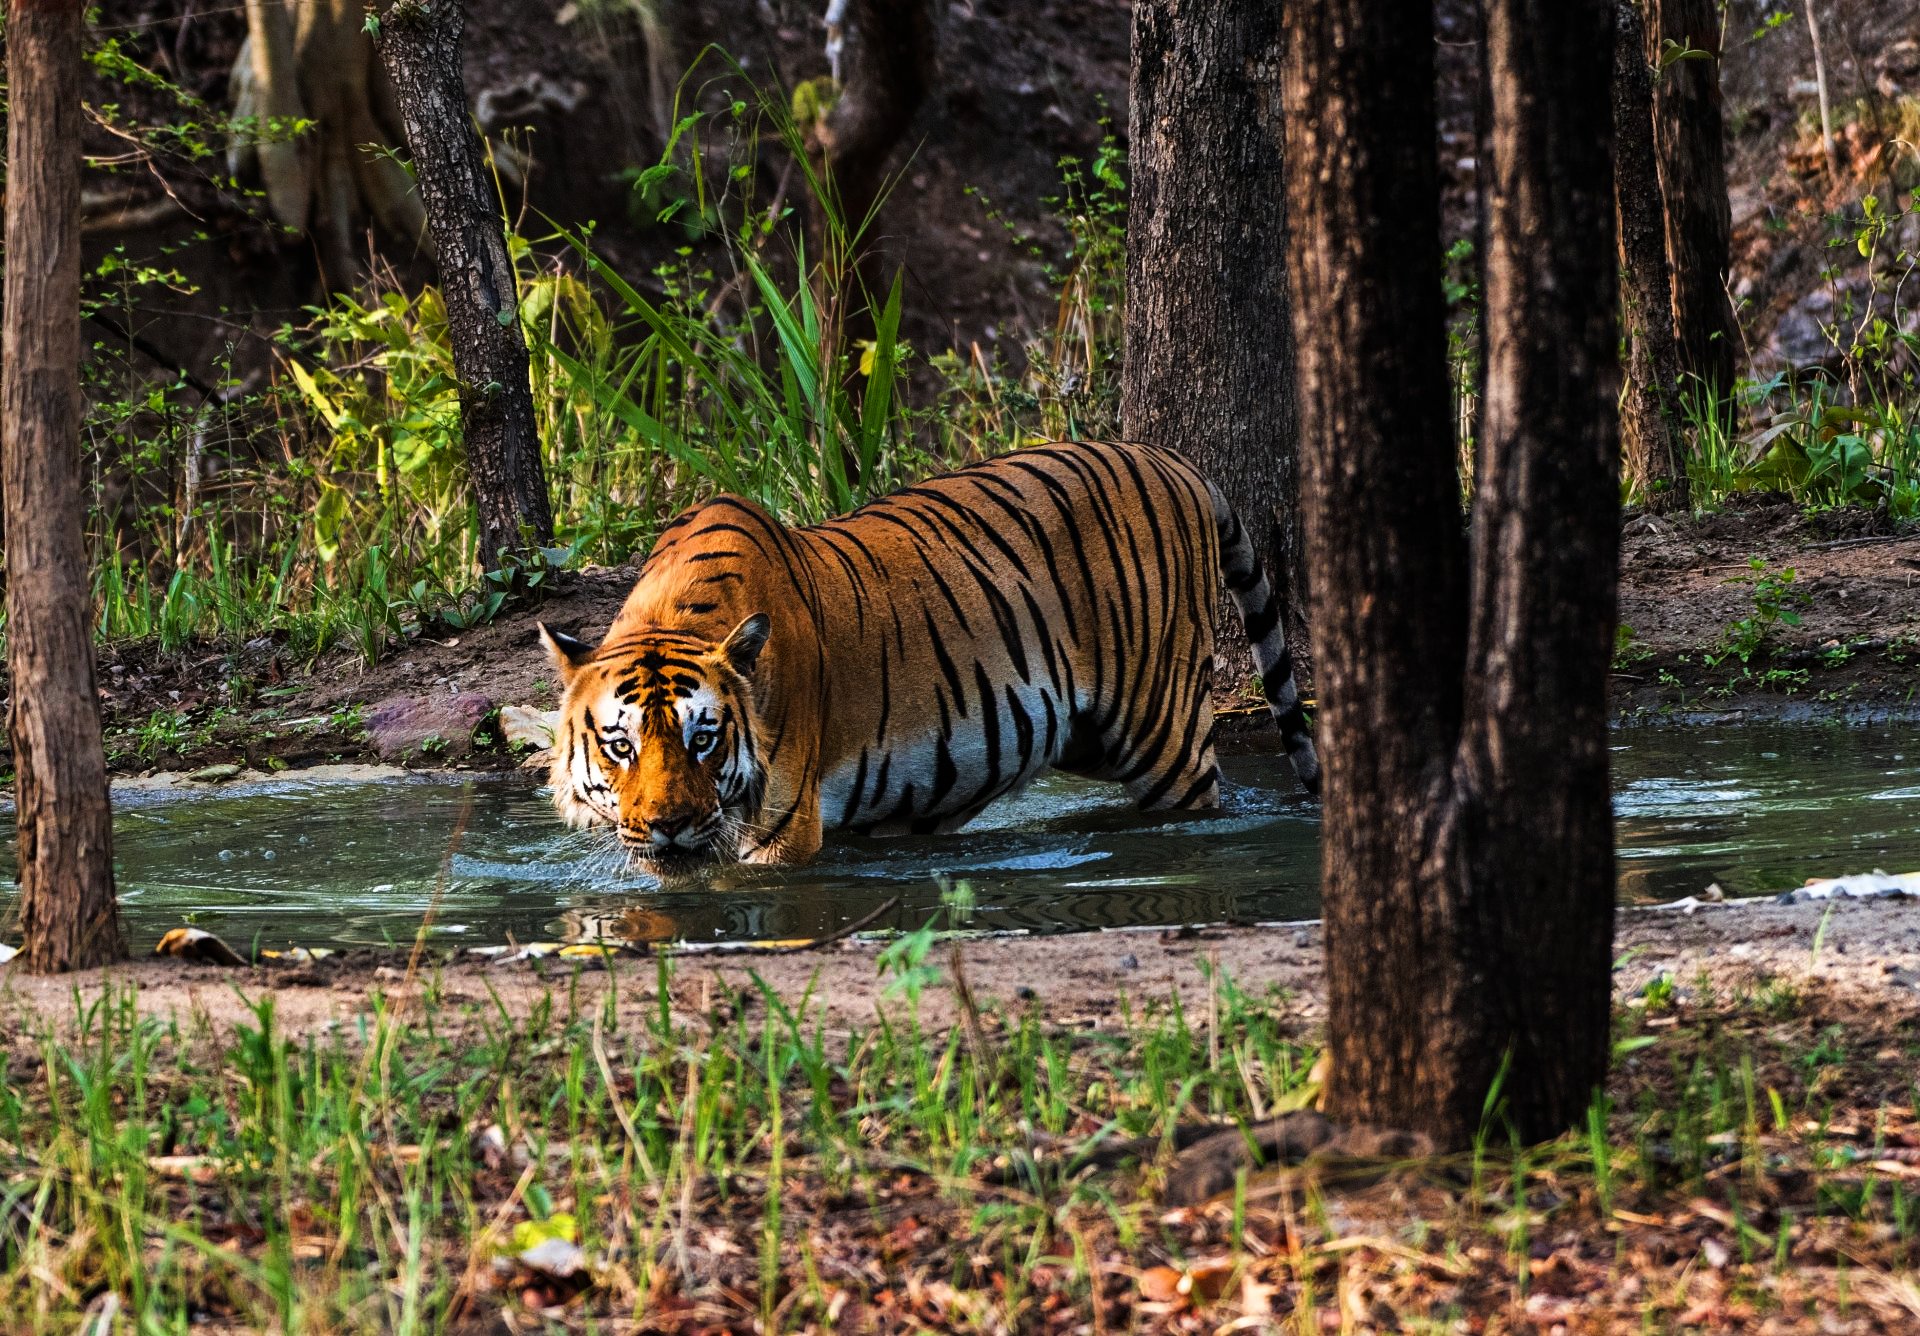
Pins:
x: 1867, y: 951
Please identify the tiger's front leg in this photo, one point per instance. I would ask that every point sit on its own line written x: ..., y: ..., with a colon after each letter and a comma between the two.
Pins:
x: 792, y: 836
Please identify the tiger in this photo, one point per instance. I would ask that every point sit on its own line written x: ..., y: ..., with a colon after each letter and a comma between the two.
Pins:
x: 899, y: 668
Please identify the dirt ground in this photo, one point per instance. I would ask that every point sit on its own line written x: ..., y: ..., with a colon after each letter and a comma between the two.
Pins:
x: 1689, y: 598
x: 1865, y: 951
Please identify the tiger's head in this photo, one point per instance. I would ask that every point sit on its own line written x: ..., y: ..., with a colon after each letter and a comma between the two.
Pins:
x: 658, y: 739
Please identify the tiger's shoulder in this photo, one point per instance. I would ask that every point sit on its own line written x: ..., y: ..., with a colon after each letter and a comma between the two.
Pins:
x: 711, y: 559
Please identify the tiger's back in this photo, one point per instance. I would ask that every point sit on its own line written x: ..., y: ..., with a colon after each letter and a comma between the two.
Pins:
x: 941, y: 646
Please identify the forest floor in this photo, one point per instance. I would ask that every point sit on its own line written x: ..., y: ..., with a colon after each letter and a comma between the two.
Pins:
x: 980, y: 1138
x: 1841, y: 638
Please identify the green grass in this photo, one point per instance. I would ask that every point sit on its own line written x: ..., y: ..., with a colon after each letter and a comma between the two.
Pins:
x: 753, y: 1162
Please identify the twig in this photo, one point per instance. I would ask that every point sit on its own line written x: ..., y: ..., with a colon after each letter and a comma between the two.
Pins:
x: 1820, y: 85
x: 884, y: 908
x: 620, y: 1105
x: 1861, y: 542
x: 440, y: 883
x: 977, y: 1041
x: 152, y: 352
x: 682, y: 1258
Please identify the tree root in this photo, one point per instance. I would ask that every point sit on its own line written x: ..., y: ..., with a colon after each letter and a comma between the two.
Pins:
x: 1304, y: 1138
x: 1209, y: 1158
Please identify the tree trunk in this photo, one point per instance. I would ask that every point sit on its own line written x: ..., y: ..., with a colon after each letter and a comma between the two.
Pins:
x: 1532, y: 810
x: 1209, y: 353
x: 1468, y: 860
x: 1385, y: 535
x: 1693, y: 181
x: 1650, y: 416
x: 67, y: 909
x: 419, y: 42
x: 314, y: 60
x: 882, y: 54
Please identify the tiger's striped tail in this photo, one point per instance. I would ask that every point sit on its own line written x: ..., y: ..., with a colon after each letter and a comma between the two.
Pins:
x: 1260, y: 614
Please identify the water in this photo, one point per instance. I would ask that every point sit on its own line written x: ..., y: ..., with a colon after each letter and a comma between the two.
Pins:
x: 1756, y: 809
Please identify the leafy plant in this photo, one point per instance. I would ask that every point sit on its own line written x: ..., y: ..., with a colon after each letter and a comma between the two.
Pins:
x: 1775, y: 599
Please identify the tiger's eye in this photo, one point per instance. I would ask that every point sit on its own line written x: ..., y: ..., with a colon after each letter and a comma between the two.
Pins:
x: 620, y: 749
x: 702, y: 742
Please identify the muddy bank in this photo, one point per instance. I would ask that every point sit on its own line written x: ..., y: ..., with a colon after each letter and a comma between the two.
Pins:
x: 1763, y: 611
x: 1867, y: 951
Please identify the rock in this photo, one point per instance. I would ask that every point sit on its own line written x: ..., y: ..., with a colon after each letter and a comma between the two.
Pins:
x: 1798, y: 339
x: 433, y: 726
x: 213, y: 774
x: 528, y: 727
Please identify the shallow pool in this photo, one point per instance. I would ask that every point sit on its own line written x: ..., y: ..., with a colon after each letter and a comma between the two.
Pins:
x: 1755, y: 809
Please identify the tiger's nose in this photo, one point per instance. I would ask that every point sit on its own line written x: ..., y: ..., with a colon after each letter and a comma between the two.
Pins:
x: 663, y: 830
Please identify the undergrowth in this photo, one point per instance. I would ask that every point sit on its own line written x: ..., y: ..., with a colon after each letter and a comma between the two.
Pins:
x: 602, y: 1157
x: 327, y: 503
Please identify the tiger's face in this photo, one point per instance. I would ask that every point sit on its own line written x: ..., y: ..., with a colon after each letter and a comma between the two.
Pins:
x: 657, y: 738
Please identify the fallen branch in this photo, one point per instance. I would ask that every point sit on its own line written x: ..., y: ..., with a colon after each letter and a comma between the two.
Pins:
x: 1862, y: 542
x: 865, y: 921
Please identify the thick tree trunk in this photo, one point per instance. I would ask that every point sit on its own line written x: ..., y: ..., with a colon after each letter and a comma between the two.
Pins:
x: 67, y: 910
x: 1650, y: 414
x: 1690, y: 135
x: 1209, y: 352
x: 419, y: 44
x: 1532, y: 811
x: 313, y: 59
x: 1385, y: 534
x: 1468, y: 865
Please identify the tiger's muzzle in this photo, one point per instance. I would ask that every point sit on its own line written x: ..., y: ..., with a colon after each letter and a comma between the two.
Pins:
x: 674, y: 843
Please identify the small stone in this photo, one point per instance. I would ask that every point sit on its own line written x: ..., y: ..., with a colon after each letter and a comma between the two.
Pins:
x: 213, y: 774
x: 529, y: 727
x: 1129, y: 961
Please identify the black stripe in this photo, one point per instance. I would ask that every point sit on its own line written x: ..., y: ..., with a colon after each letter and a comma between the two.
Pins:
x: 859, y: 787
x: 947, y: 668
x: 1022, y: 729
x: 990, y: 719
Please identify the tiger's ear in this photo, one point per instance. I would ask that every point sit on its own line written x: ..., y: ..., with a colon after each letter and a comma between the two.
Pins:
x: 568, y: 655
x: 743, y: 646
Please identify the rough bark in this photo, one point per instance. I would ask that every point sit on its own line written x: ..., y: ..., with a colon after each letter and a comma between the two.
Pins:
x: 1531, y: 811
x: 67, y: 909
x: 1468, y: 864
x: 1385, y: 534
x: 1209, y: 351
x: 419, y: 43
x: 1650, y: 424
x: 1690, y: 135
